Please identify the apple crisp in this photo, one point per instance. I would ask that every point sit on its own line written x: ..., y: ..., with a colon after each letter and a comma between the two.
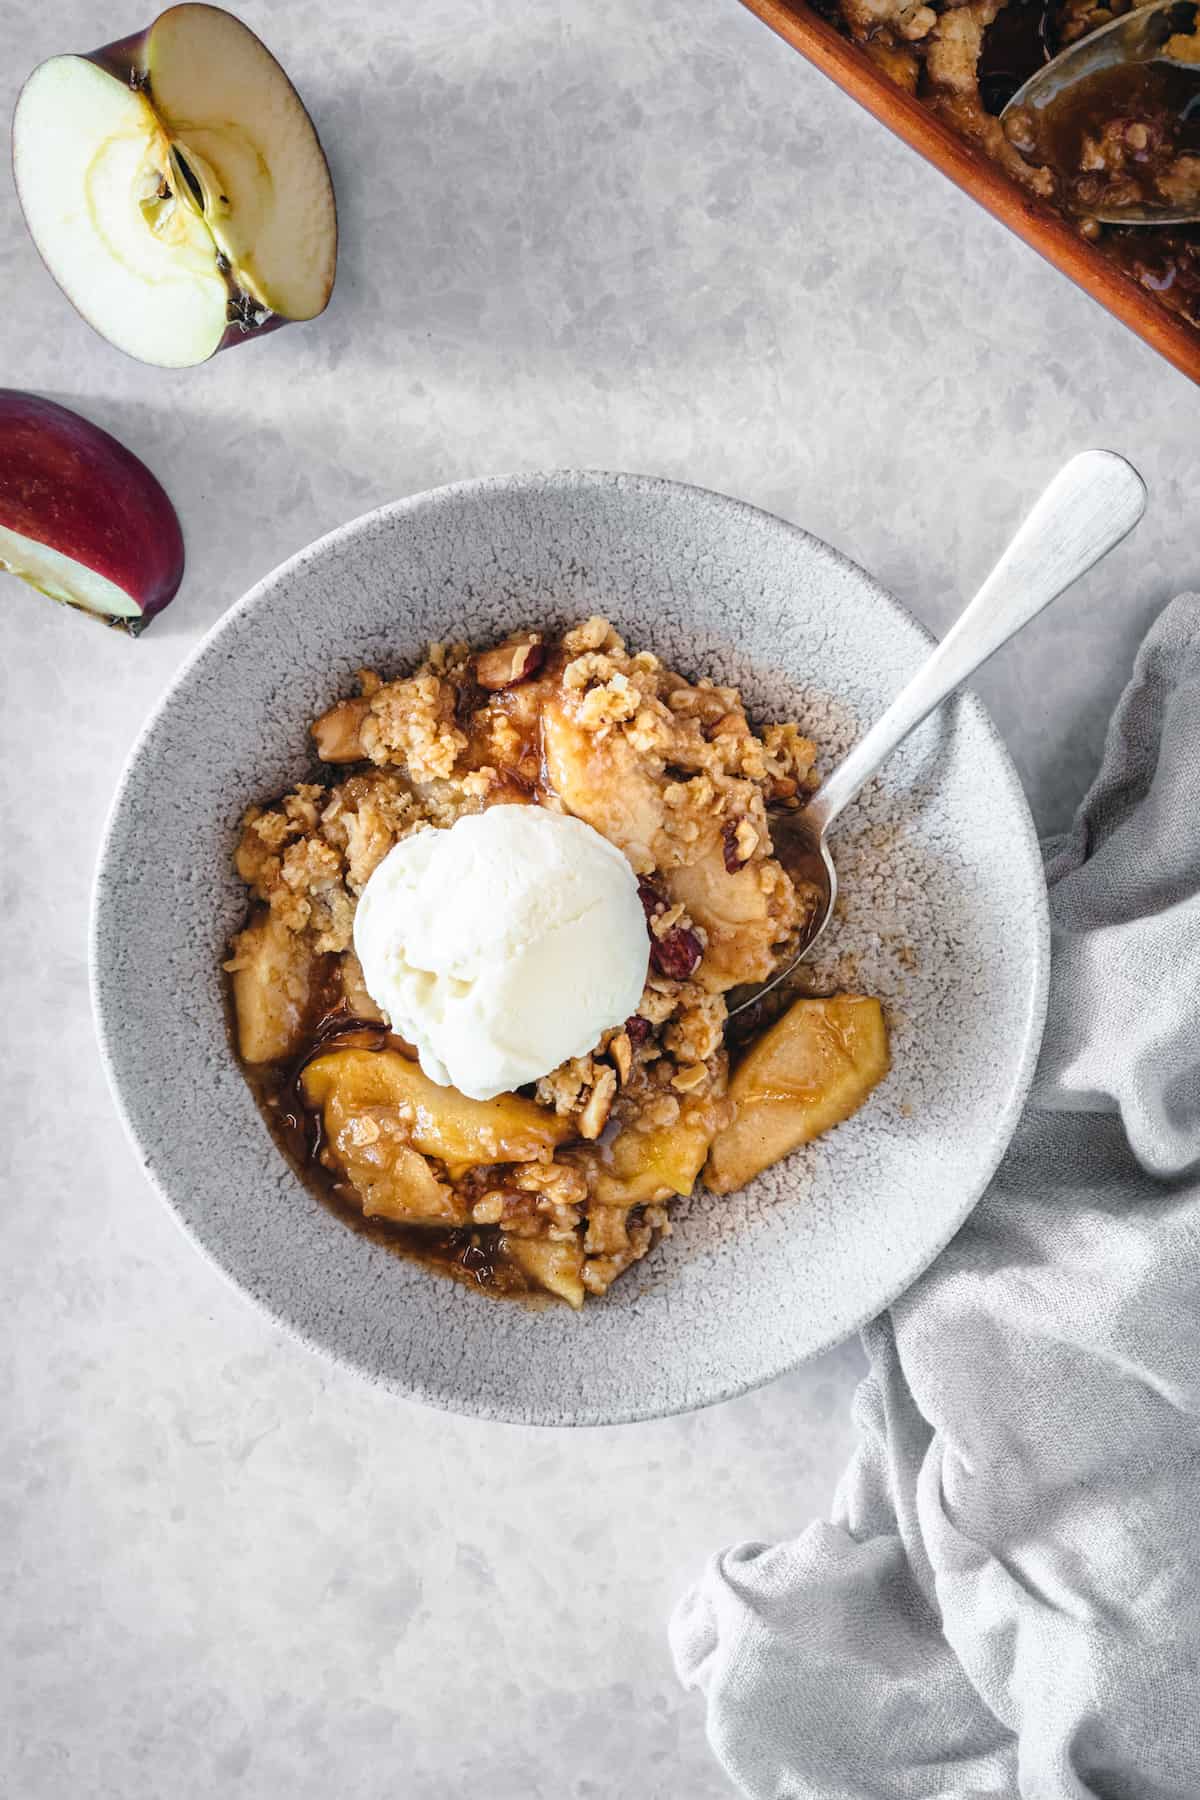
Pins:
x: 563, y: 1185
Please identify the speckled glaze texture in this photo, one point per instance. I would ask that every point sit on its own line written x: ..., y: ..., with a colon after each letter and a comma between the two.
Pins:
x: 944, y: 918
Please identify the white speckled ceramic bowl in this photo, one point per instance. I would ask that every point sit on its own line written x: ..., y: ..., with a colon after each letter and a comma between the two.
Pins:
x: 945, y: 919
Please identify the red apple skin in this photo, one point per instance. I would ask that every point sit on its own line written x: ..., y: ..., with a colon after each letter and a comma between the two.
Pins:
x: 69, y: 485
x: 124, y: 57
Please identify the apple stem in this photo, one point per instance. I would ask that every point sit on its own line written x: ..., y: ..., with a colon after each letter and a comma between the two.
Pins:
x: 246, y: 313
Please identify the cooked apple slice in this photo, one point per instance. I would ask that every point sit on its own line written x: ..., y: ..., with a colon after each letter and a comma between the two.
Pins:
x: 81, y: 519
x: 273, y: 974
x: 392, y: 1180
x: 406, y: 1190
x: 439, y: 1121
x: 652, y: 1165
x: 733, y: 910
x: 554, y: 1264
x: 336, y: 732
x: 176, y: 187
x: 809, y: 1072
x: 600, y: 780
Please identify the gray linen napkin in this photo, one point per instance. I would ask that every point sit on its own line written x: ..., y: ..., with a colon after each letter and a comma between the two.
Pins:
x: 1007, y: 1599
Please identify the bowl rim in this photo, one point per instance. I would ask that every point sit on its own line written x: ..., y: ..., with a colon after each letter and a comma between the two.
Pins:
x: 415, y: 1389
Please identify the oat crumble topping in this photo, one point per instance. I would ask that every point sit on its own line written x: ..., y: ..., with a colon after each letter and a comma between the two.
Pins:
x: 566, y: 1185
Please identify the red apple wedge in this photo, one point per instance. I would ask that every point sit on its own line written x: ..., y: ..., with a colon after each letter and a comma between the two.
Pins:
x: 176, y: 187
x: 81, y: 518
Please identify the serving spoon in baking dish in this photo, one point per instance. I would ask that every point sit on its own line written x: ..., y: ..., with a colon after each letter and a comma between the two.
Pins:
x: 1091, y: 504
x: 1151, y: 53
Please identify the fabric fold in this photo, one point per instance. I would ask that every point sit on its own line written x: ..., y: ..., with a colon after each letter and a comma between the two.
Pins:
x: 1006, y: 1601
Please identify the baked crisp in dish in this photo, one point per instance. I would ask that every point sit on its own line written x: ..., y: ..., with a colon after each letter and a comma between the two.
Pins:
x: 562, y: 1185
x: 1128, y: 138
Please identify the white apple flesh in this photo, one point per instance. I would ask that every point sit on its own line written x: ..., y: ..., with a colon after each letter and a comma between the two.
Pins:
x: 176, y: 188
x: 81, y: 518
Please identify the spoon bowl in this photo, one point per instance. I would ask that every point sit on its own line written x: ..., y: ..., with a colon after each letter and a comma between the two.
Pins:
x: 1141, y: 37
x: 801, y: 846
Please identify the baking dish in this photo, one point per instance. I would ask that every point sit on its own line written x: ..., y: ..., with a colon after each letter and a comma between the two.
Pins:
x: 1039, y: 224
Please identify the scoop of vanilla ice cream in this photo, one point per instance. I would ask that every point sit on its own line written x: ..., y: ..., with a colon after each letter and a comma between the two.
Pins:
x: 503, y: 946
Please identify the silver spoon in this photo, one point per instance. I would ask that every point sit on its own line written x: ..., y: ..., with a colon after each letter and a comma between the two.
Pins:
x: 1140, y: 36
x: 1091, y: 504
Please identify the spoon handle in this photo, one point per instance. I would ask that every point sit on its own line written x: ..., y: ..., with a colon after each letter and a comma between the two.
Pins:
x: 1091, y: 504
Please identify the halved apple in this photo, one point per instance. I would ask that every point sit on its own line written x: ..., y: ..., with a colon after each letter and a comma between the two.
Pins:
x: 81, y: 518
x: 274, y: 973
x: 176, y: 187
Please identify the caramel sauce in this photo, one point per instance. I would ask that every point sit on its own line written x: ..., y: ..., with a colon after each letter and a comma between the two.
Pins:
x: 470, y: 1254
x: 1167, y: 94
x: 1018, y: 41
x: 1165, y: 262
x: 524, y: 774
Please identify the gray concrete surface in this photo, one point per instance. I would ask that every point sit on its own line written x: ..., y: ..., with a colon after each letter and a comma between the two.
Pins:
x: 593, y: 235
